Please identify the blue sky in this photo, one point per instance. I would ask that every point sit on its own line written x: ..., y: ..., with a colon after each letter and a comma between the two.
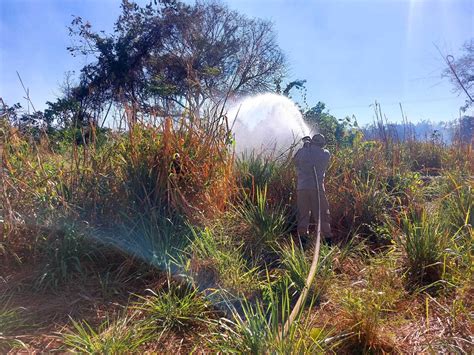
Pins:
x: 351, y: 52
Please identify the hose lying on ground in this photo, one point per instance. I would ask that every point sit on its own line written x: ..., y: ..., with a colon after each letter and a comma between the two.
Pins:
x: 312, y: 270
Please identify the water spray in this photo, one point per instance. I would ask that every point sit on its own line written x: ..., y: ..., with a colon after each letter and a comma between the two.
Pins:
x: 268, y: 123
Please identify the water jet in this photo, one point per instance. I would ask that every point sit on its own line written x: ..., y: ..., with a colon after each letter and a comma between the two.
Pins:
x: 266, y: 123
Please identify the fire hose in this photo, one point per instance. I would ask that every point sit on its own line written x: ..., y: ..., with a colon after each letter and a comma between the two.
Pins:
x: 312, y: 271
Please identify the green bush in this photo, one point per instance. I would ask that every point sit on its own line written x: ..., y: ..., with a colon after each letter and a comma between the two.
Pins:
x: 267, y: 224
x: 66, y: 254
x: 111, y: 337
x: 256, y: 328
x: 218, y: 262
x: 296, y: 264
x: 178, y: 308
x: 11, y: 318
x: 255, y: 171
x: 424, y: 241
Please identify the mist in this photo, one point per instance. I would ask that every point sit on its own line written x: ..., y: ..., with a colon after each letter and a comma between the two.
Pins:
x: 266, y: 123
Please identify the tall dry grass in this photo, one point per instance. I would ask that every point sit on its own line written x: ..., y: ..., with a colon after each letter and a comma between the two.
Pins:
x: 139, y: 191
x: 180, y: 167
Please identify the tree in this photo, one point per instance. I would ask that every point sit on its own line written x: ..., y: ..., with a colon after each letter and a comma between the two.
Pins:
x: 170, y: 56
x: 319, y: 119
x: 461, y: 73
x: 336, y: 131
x: 295, y: 84
x: 465, y: 130
x: 9, y: 113
x: 64, y: 112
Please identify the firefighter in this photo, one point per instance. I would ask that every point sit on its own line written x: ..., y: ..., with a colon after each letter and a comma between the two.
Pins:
x: 311, y: 162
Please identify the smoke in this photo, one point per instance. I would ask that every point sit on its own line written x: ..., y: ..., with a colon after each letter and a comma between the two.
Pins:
x: 266, y: 123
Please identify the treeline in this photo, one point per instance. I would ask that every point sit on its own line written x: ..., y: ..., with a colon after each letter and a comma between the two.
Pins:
x: 163, y: 59
x: 451, y: 132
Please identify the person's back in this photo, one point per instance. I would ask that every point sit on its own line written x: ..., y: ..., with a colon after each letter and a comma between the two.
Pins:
x: 306, y: 160
x: 321, y: 158
x: 312, y: 157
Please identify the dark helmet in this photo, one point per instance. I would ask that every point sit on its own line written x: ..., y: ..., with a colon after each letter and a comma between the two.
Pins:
x: 318, y: 140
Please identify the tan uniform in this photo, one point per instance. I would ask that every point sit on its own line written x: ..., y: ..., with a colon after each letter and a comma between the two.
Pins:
x: 308, y: 160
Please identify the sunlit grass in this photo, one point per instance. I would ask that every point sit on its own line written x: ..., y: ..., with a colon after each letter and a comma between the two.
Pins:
x: 256, y: 328
x: 172, y: 198
x: 424, y: 241
x: 267, y: 224
x: 178, y: 308
x: 110, y: 337
x: 218, y: 262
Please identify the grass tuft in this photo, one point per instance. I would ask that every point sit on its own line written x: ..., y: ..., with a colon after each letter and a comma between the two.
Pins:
x: 267, y: 223
x: 111, y: 337
x: 11, y: 318
x: 216, y: 262
x: 424, y: 241
x: 256, y: 328
x: 177, y: 309
x: 66, y: 256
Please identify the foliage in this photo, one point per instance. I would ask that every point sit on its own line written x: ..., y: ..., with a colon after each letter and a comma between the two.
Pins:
x: 173, y: 54
x: 337, y: 132
x: 65, y: 112
x: 457, y: 218
x: 464, y: 132
x: 256, y: 329
x: 267, y: 223
x: 11, y: 318
x: 218, y: 262
x: 357, y: 190
x: 426, y: 156
x: 424, y: 241
x: 170, y: 195
x: 296, y: 264
x: 176, y: 309
x: 363, y: 311
x: 458, y: 204
x: 111, y: 337
x: 66, y: 255
x: 295, y: 84
x: 256, y: 171
x: 152, y: 168
x: 365, y: 305
x: 152, y: 238
x: 460, y: 72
